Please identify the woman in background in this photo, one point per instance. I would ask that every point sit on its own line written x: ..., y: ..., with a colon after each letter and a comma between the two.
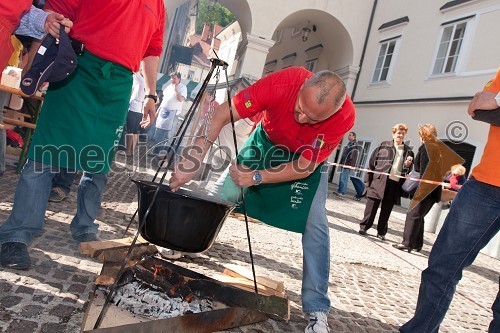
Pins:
x: 428, y: 163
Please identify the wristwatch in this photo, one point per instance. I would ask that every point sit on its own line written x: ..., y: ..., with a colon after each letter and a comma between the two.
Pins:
x: 153, y: 97
x: 497, y: 99
x: 257, y: 178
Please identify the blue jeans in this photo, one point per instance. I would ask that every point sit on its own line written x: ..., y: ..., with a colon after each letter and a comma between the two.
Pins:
x: 315, y: 248
x: 30, y: 203
x: 473, y: 220
x: 316, y: 253
x: 343, y: 179
x: 162, y: 138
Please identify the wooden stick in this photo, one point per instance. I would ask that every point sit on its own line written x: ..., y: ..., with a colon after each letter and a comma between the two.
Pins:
x: 18, y: 122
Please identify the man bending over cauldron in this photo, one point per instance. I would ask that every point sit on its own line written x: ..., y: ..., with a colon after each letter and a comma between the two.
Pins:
x: 305, y: 115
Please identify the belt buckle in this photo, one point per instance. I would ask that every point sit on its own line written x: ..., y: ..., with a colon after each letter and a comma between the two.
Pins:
x: 78, y: 47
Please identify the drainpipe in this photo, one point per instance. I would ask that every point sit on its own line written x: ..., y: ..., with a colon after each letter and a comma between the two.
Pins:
x: 337, y: 153
x: 364, y: 48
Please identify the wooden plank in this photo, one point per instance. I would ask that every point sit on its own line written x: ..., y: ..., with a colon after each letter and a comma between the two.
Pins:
x: 238, y: 271
x: 119, y: 254
x: 97, y: 247
x: 245, y: 284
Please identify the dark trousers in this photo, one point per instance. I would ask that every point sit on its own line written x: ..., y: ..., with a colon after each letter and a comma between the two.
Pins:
x: 413, y: 234
x: 64, y: 179
x: 372, y: 204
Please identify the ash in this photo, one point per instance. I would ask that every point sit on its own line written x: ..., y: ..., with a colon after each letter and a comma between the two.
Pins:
x: 143, y: 300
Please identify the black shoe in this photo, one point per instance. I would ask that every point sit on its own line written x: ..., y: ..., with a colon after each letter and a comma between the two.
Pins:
x: 418, y: 249
x: 402, y: 247
x: 15, y: 255
x: 381, y: 237
x: 87, y: 237
x: 362, y: 231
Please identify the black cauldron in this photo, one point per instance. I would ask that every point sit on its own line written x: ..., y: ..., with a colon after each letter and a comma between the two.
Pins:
x: 184, y: 220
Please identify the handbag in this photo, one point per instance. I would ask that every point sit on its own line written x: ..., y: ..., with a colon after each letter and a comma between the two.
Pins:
x: 410, y: 185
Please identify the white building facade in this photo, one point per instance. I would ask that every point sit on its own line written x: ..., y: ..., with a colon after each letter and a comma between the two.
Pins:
x: 406, y: 61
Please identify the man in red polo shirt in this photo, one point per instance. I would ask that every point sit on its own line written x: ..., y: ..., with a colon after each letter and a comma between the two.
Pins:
x: 304, y: 117
x: 82, y: 116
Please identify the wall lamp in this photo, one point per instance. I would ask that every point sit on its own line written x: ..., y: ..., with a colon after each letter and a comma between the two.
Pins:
x: 306, y: 31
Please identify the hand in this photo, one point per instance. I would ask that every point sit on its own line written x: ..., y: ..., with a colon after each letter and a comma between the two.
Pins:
x: 241, y: 175
x: 183, y: 173
x: 148, y: 113
x: 484, y: 100
x: 53, y: 24
x: 408, y: 161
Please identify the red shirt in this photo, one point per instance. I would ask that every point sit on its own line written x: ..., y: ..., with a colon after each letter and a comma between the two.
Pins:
x: 275, y: 96
x: 120, y: 31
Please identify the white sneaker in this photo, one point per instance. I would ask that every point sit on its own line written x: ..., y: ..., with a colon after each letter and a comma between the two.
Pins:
x: 174, y: 255
x: 169, y: 254
x: 318, y: 323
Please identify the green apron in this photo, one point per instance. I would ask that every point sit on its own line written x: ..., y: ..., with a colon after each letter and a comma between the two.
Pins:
x: 283, y: 205
x: 82, y: 117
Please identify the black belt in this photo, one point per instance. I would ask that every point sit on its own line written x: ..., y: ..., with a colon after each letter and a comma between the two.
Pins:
x: 78, y: 47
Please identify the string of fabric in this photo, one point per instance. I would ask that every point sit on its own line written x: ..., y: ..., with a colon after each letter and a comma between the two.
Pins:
x: 422, y: 180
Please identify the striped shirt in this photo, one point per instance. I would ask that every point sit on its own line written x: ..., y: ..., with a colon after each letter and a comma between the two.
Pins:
x: 32, y: 23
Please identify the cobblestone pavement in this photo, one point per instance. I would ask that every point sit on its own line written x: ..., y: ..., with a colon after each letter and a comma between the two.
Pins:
x: 373, y: 286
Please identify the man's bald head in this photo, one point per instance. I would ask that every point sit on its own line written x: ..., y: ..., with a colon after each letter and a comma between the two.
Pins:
x: 330, y: 88
x: 320, y: 97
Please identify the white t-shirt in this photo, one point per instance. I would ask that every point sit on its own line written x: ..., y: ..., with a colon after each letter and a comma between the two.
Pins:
x: 170, y: 102
x: 138, y: 93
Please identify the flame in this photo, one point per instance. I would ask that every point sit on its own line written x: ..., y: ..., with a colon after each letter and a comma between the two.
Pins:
x: 157, y: 268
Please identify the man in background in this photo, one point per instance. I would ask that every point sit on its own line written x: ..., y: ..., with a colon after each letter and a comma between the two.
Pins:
x: 170, y: 108
x: 349, y: 157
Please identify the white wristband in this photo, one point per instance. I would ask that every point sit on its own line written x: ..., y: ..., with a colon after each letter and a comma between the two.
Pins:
x: 497, y: 99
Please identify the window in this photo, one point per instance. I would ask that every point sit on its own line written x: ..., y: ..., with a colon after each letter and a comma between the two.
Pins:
x: 278, y: 35
x: 449, y: 48
x: 310, y: 65
x: 384, y: 60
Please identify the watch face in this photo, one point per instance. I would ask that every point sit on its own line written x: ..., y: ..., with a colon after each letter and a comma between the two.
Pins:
x: 257, y: 178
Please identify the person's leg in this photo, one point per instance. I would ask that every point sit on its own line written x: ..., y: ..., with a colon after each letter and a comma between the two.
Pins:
x: 131, y: 141
x: 90, y: 191
x: 316, y: 252
x: 159, y: 139
x: 343, y: 179
x: 495, y: 323
x: 370, y: 213
x: 473, y: 220
x: 426, y: 208
x: 391, y: 190
x: 30, y: 202
x: 410, y: 229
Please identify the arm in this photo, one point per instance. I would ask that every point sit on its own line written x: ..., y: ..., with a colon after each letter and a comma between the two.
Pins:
x: 150, y: 68
x: 297, y: 169
x: 185, y: 170
x: 180, y: 94
x: 37, y: 22
x: 484, y: 107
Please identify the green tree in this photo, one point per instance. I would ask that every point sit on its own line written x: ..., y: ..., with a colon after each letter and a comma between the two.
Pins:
x: 217, y: 14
